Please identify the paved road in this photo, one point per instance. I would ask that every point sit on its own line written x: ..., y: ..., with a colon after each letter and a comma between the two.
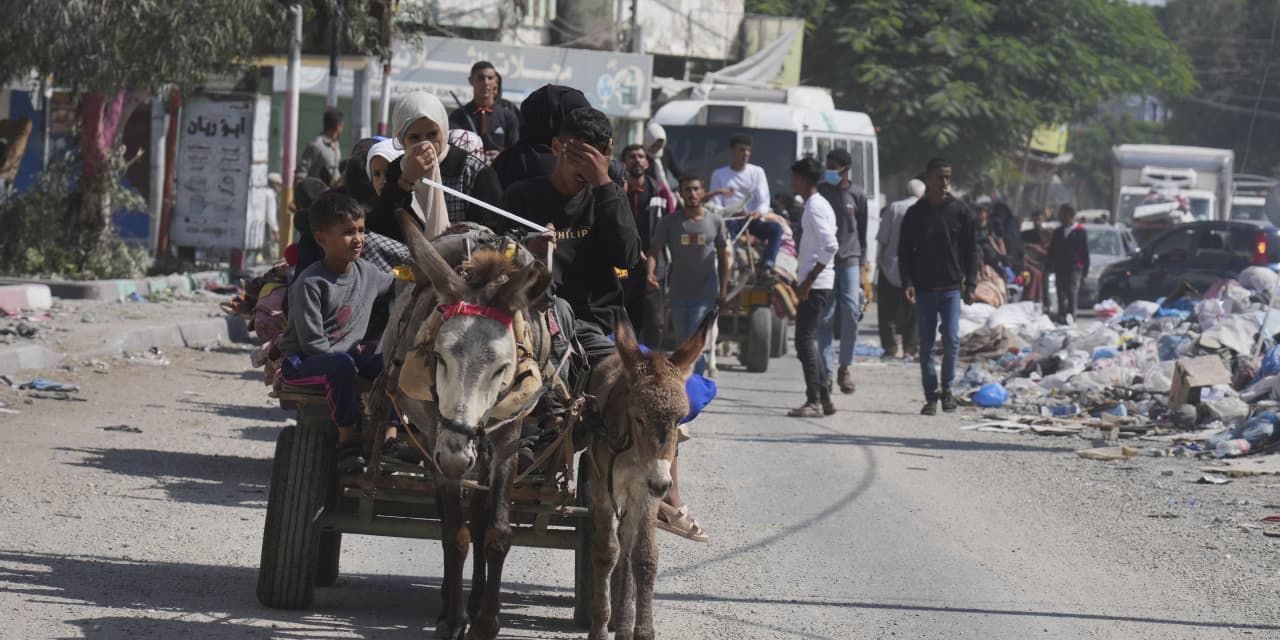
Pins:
x: 875, y: 523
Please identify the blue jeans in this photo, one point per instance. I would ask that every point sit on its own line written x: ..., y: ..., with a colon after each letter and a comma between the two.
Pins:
x: 847, y: 305
x: 934, y: 308
x: 770, y: 232
x: 685, y: 317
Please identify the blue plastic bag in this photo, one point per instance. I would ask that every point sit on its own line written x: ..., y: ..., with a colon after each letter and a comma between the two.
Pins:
x: 1270, y: 364
x: 990, y: 395
x: 1102, y: 353
x: 1168, y: 346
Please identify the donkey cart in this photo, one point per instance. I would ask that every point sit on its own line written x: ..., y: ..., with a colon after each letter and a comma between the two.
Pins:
x: 311, y: 505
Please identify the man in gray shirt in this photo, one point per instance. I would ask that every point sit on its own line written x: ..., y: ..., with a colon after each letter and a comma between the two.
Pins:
x: 321, y: 158
x: 849, y: 202
x: 698, y: 278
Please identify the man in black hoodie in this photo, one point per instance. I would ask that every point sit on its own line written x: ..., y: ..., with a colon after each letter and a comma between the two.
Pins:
x: 596, y: 243
x: 938, y: 258
x: 1069, y: 259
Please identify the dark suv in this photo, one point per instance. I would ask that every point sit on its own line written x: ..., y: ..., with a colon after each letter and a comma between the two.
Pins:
x: 1198, y: 253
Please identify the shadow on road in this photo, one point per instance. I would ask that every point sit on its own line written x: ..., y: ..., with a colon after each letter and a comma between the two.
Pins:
x: 261, y: 434
x: 187, y: 477
x: 898, y: 442
x: 174, y: 600
x: 258, y: 413
x: 701, y: 598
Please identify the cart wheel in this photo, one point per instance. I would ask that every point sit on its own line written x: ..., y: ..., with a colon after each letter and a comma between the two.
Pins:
x: 780, y: 334
x: 327, y: 556
x: 583, y: 573
x: 754, y: 352
x: 300, y: 479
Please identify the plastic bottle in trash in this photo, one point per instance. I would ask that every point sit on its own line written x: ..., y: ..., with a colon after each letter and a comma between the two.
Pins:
x: 1232, y: 448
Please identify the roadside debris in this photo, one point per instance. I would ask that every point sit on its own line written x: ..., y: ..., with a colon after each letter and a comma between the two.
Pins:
x: 1193, y: 375
x: 122, y: 428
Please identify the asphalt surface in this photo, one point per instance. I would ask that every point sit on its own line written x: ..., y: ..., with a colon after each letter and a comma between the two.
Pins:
x: 874, y: 523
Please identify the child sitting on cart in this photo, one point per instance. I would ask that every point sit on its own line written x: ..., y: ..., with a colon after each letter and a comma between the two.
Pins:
x: 330, y: 303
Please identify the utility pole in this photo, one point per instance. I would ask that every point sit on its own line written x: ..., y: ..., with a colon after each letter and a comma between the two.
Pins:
x: 336, y: 25
x: 384, y: 97
x: 637, y: 34
x: 290, y: 130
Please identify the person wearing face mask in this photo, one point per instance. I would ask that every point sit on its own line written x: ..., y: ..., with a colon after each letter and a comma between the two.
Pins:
x: 421, y: 129
x: 850, y: 204
x: 649, y: 203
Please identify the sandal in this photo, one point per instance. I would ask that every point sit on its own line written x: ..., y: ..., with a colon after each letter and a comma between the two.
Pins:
x: 679, y: 522
x: 350, y: 457
x: 806, y: 411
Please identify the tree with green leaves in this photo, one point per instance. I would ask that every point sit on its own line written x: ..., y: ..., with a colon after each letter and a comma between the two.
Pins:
x: 115, y: 54
x: 1235, y: 47
x: 971, y: 79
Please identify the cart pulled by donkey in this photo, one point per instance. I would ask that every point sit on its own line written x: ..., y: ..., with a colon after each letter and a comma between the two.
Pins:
x: 483, y: 372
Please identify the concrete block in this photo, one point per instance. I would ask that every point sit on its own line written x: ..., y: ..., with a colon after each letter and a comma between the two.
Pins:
x: 143, y: 339
x: 27, y: 357
x: 25, y: 296
x: 203, y: 333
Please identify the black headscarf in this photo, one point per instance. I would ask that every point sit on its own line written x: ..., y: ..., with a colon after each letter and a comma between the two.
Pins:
x: 541, y: 115
x: 355, y: 180
x: 1007, y: 226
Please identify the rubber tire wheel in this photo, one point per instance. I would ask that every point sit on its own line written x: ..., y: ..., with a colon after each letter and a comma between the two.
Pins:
x: 778, y: 340
x: 328, y: 555
x: 300, y: 480
x: 754, y: 353
x: 583, y: 568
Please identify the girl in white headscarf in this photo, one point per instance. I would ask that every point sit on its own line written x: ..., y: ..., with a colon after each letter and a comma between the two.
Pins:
x: 421, y: 128
x: 381, y: 155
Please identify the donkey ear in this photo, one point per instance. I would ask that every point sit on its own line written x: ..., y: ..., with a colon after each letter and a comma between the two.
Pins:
x: 430, y: 266
x: 625, y: 339
x: 686, y: 357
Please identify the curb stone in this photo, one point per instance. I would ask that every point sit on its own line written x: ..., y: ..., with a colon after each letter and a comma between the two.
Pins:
x: 191, y: 334
x: 118, y: 290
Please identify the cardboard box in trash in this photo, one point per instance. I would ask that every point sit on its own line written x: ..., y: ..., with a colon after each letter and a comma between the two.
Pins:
x: 1190, y: 374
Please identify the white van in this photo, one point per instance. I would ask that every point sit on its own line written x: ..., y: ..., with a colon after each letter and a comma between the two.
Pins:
x: 785, y: 125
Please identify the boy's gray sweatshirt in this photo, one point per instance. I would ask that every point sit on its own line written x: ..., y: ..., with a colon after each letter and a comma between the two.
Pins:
x: 329, y: 312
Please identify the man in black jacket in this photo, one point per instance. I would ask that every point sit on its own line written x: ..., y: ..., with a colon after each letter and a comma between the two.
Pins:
x: 1069, y: 259
x: 595, y: 239
x: 487, y: 115
x: 648, y: 204
x: 937, y: 254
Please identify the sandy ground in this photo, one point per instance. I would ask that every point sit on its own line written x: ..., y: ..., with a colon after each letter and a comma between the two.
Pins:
x: 875, y: 523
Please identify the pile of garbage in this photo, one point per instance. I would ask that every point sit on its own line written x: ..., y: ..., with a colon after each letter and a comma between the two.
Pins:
x: 1200, y: 371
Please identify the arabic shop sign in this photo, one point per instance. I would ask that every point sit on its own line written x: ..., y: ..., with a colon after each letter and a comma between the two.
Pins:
x: 615, y: 83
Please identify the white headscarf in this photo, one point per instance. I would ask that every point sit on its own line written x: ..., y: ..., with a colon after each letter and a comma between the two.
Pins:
x: 385, y: 149
x: 653, y: 133
x: 428, y: 202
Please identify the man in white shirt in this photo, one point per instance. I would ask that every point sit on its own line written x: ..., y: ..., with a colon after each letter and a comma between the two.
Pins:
x: 894, y: 314
x: 742, y: 180
x: 817, y: 252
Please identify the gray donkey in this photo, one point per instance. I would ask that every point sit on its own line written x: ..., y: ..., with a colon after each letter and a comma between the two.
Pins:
x: 448, y: 379
x: 641, y: 399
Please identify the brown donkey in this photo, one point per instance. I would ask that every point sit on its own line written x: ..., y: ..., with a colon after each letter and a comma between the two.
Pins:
x: 641, y: 399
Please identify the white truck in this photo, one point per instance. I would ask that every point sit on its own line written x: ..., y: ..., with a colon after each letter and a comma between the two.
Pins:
x: 1158, y: 186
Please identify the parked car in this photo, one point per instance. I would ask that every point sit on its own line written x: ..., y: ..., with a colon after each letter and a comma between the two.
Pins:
x: 1198, y: 253
x: 1108, y: 244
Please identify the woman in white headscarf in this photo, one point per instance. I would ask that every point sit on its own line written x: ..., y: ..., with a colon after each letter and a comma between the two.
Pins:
x: 420, y: 125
